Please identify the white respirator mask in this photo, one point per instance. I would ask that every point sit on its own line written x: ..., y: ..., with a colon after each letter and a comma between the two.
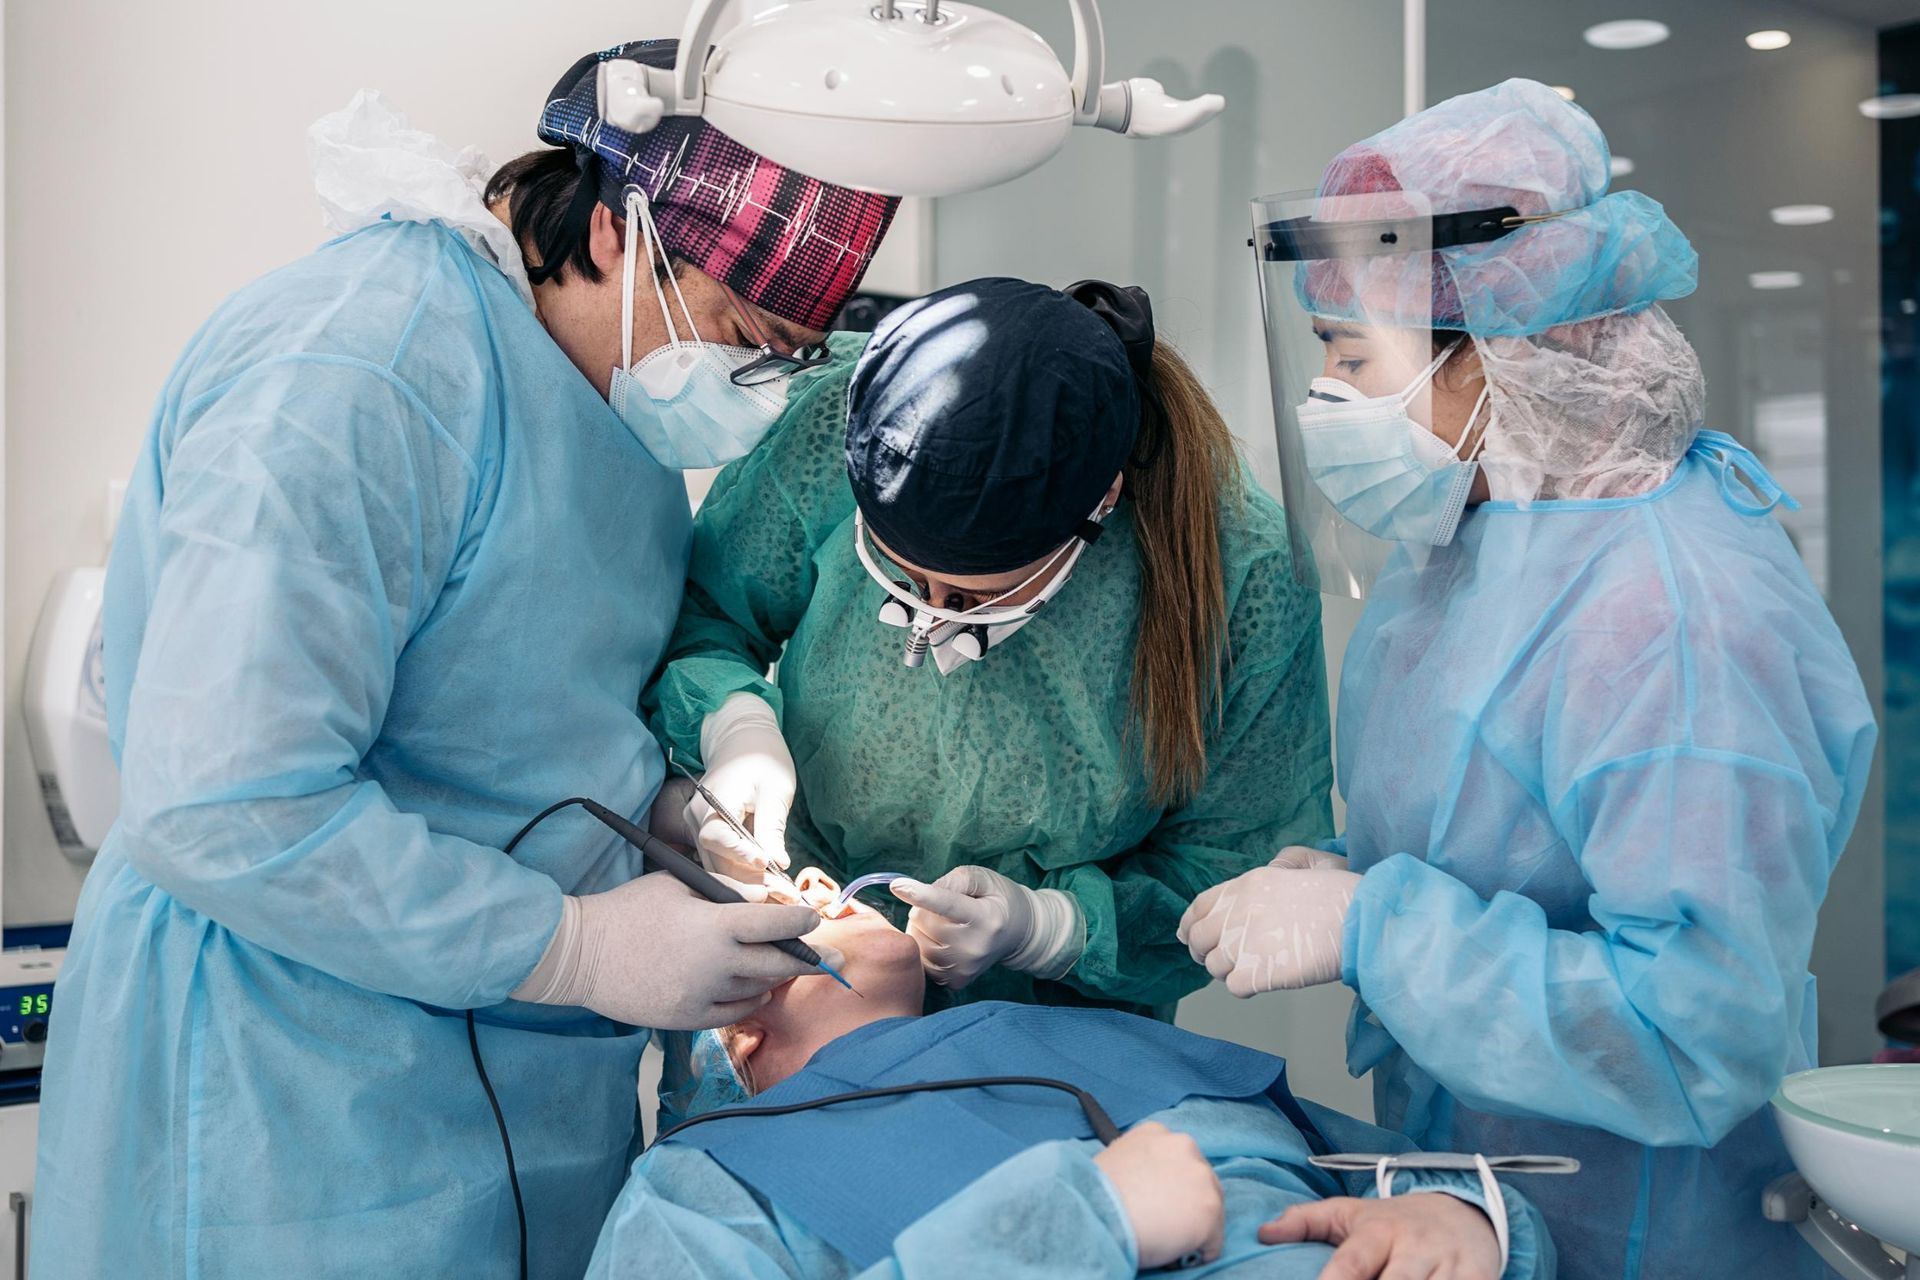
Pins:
x: 682, y: 400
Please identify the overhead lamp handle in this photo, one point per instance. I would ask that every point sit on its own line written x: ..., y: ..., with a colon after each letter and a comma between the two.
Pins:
x: 1089, y: 60
x: 1142, y: 108
x: 690, y: 63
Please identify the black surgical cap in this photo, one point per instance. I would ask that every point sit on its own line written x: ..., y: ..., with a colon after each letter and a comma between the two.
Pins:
x: 984, y: 423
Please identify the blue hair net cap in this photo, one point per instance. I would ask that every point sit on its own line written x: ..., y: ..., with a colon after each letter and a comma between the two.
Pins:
x: 1517, y: 144
x: 701, y: 1080
x: 984, y: 423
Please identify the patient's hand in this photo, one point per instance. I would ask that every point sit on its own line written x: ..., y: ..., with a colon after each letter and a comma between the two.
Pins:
x: 1170, y: 1193
x: 1428, y: 1234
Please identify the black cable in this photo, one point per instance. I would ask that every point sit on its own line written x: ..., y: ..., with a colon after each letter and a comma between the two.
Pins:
x: 1102, y: 1124
x: 480, y: 1066
x: 506, y: 1143
x: 537, y: 819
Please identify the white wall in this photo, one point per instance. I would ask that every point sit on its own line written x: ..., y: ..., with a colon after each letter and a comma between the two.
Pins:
x: 155, y: 162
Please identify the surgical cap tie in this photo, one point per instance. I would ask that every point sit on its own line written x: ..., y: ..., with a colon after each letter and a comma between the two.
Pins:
x: 1128, y: 311
x: 573, y: 223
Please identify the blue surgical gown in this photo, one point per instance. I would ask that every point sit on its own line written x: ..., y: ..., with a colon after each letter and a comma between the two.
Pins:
x: 1047, y: 1213
x: 389, y: 579
x: 1599, y: 758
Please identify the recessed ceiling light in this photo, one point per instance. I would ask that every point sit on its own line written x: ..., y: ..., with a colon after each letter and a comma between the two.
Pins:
x: 1776, y: 279
x: 1619, y: 166
x: 1801, y: 215
x: 1627, y: 33
x: 1565, y: 91
x: 1766, y: 40
x: 1891, y: 106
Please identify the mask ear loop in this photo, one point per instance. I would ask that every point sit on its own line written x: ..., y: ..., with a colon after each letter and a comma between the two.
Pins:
x: 1466, y: 432
x: 1419, y: 384
x: 660, y: 247
x: 640, y: 210
x: 626, y: 286
x: 639, y: 224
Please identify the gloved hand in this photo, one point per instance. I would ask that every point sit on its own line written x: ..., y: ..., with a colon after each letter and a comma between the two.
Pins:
x: 669, y: 819
x: 1272, y: 928
x: 654, y: 953
x: 973, y: 918
x: 1300, y: 857
x: 750, y: 772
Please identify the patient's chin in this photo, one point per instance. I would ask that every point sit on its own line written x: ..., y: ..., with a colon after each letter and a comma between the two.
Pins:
x: 882, y: 963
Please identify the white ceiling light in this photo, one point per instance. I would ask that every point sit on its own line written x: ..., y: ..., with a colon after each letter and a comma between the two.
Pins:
x: 1619, y: 166
x: 1776, y: 279
x: 1768, y: 40
x: 1801, y: 215
x: 1565, y: 91
x: 889, y: 95
x: 1627, y: 33
x: 1891, y: 106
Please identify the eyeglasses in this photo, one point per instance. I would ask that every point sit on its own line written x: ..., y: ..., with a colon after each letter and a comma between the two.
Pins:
x: 930, y: 625
x: 990, y: 612
x: 772, y: 364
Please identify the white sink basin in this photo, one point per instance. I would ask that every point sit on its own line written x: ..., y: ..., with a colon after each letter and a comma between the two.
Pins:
x: 1854, y: 1134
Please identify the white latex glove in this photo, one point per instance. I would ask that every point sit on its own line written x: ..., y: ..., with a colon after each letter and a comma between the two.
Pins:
x: 750, y: 772
x: 1273, y: 928
x: 1299, y: 857
x: 653, y: 953
x: 669, y: 819
x: 973, y: 918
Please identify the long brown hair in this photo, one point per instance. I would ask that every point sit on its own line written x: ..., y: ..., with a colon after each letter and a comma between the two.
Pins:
x: 1182, y: 475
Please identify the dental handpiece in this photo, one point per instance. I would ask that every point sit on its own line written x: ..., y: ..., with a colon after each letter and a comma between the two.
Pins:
x: 701, y: 881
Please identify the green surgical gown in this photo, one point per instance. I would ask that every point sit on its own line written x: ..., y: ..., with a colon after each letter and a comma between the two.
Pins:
x: 1024, y: 762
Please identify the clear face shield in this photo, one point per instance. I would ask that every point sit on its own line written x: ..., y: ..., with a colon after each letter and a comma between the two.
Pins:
x: 1346, y: 291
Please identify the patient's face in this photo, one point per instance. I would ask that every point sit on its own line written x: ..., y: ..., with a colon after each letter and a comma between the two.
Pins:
x: 807, y: 1013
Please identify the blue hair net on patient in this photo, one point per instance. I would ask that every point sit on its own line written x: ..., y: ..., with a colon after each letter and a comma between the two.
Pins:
x: 699, y: 1079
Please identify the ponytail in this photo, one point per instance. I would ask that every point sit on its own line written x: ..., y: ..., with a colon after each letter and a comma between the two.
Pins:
x: 1184, y: 469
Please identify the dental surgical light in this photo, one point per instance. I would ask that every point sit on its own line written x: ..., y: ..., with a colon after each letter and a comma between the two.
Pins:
x: 902, y: 97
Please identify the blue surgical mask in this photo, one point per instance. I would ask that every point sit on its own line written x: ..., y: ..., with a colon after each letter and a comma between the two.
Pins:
x: 680, y: 400
x: 1379, y: 468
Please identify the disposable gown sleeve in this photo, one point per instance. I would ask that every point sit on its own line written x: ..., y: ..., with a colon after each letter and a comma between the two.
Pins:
x: 1670, y: 1021
x: 310, y: 515
x: 751, y: 573
x: 1047, y: 1212
x: 1268, y: 785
